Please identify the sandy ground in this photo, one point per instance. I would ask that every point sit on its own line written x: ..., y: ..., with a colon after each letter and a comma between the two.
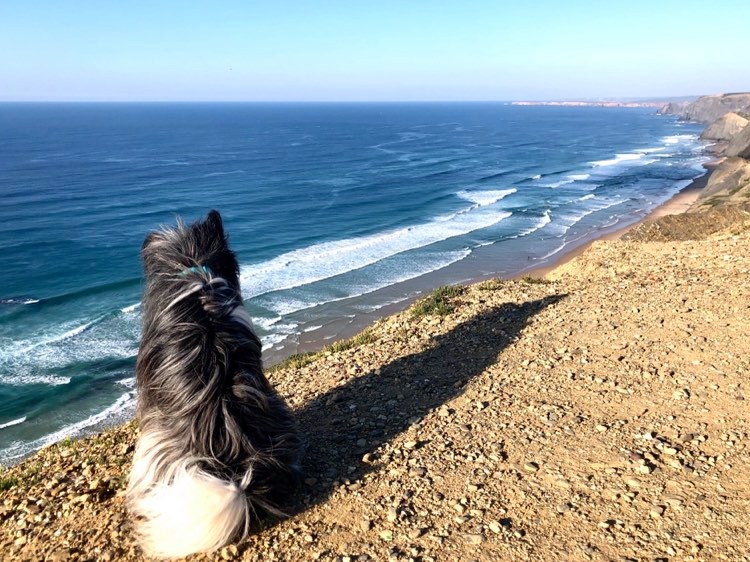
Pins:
x: 600, y: 414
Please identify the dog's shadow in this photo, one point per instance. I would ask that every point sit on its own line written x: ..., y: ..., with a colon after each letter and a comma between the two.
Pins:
x: 355, y: 418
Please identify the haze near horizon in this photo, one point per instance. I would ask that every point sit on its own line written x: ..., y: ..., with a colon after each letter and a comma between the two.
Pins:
x: 385, y: 51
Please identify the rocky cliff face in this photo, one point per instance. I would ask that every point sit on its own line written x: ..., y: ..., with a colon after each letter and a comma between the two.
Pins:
x: 739, y: 144
x: 707, y: 109
x: 674, y: 108
x: 729, y: 184
x: 725, y: 127
x: 726, y: 198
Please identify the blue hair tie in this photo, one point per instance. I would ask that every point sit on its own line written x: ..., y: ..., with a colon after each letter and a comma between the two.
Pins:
x: 196, y: 269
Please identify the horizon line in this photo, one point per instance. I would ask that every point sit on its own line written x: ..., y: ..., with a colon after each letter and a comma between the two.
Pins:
x: 639, y: 99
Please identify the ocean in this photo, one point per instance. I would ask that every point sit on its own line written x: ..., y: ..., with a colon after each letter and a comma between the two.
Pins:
x: 336, y: 212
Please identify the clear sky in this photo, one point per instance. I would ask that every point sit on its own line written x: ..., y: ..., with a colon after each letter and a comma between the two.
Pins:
x: 286, y: 50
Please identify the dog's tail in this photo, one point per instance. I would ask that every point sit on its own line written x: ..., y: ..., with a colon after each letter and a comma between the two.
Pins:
x: 183, y: 510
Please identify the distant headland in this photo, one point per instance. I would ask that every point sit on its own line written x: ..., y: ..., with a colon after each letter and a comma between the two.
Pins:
x: 574, y: 103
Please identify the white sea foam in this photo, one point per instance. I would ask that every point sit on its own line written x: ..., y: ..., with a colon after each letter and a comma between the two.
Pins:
x: 677, y: 139
x: 215, y: 174
x: 71, y: 333
x: 130, y: 308
x: 536, y: 177
x: 540, y: 223
x: 553, y: 252
x: 19, y: 301
x: 572, y: 178
x: 123, y: 404
x: 618, y: 159
x: 485, y: 198
x: 288, y: 304
x: 26, y: 360
x: 587, y: 197
x: 12, y: 422
x: 329, y: 259
x: 563, y: 221
x: 266, y: 324
x: 24, y: 379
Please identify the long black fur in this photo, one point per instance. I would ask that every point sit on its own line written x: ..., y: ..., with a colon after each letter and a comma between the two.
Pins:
x: 200, y: 379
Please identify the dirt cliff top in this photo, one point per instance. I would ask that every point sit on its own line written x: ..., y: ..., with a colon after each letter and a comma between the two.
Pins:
x: 600, y: 414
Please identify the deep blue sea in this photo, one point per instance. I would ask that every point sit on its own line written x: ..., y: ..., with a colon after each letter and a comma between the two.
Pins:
x: 335, y: 211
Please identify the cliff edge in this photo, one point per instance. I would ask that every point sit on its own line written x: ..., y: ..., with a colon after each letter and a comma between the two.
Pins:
x: 707, y: 109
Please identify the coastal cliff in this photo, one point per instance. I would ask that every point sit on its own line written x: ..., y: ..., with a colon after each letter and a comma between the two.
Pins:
x: 707, y: 109
x: 725, y: 199
x: 596, y: 414
x: 725, y: 127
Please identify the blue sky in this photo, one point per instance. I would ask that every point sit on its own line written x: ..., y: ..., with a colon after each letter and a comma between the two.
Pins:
x: 360, y: 50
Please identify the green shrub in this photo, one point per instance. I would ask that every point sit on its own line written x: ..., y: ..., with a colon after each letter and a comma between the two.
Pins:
x: 300, y: 360
x: 491, y: 285
x: 439, y: 302
x: 534, y: 280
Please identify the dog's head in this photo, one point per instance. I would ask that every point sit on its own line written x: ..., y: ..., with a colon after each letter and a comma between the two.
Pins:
x: 203, y: 244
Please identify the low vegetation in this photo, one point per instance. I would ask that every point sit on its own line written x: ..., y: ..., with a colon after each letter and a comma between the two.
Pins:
x: 534, y: 280
x: 439, y: 302
x: 299, y: 360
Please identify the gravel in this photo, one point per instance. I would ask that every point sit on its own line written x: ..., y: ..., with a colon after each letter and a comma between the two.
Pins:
x: 596, y: 415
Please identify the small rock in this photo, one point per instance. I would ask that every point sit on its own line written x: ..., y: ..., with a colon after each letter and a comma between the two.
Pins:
x: 601, y: 428
x: 416, y: 533
x: 530, y: 467
x: 495, y: 526
x: 365, y: 524
x: 674, y: 463
x: 473, y: 538
x: 229, y: 552
x: 60, y: 555
x: 673, y: 500
x: 656, y: 511
x: 392, y: 515
x: 386, y: 535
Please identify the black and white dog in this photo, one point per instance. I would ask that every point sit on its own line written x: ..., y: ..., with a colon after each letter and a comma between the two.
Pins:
x: 217, y: 444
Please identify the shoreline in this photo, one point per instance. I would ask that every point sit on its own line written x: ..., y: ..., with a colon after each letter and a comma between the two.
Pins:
x: 345, y: 327
x: 317, y: 339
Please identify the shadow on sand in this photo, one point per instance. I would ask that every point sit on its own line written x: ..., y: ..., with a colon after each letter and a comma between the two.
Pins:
x: 381, y: 404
